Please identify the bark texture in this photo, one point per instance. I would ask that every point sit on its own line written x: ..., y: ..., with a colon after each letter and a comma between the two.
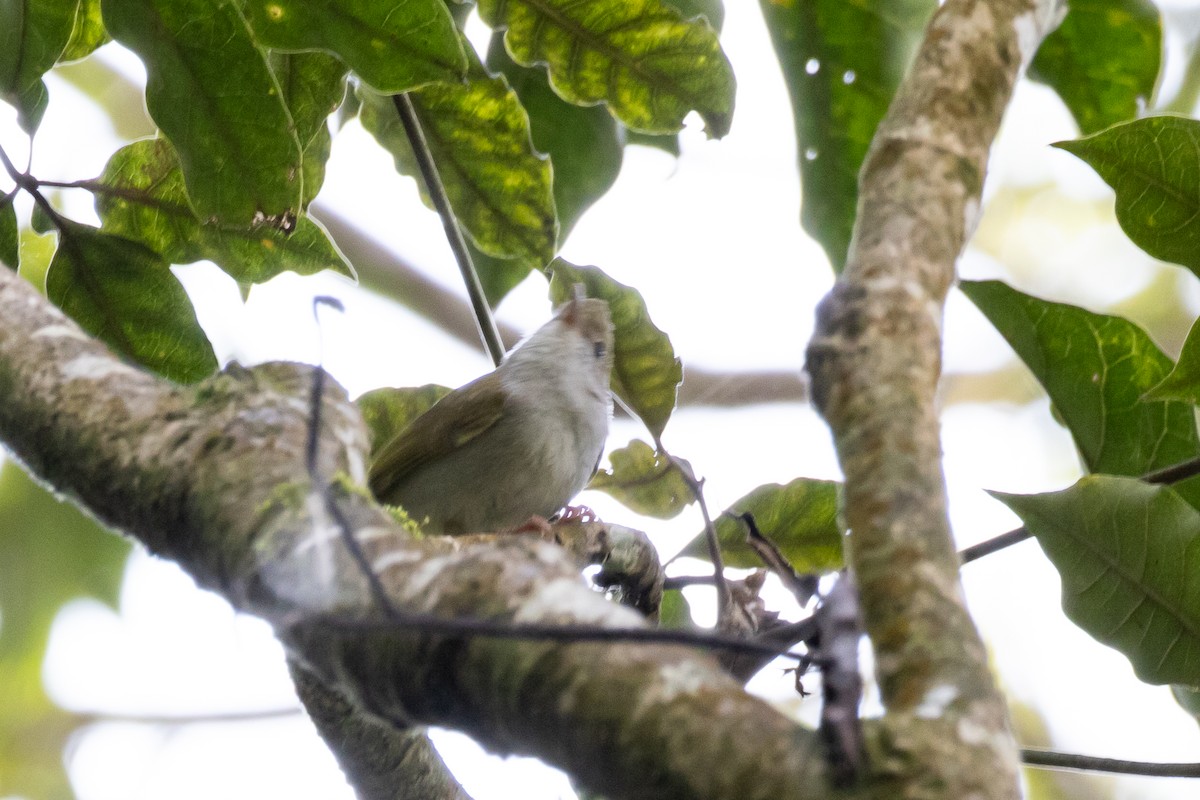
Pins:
x: 216, y: 477
x: 875, y: 361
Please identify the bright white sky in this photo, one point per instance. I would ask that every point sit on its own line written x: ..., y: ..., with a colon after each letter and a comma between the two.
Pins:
x: 713, y: 243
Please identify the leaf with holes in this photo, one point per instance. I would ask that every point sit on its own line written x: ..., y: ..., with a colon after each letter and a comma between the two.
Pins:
x: 1128, y: 553
x: 646, y: 374
x: 1076, y: 60
x: 141, y: 196
x: 123, y: 293
x: 394, y: 47
x: 640, y: 57
x: 1097, y: 370
x: 211, y: 93
x: 1153, y: 165
x: 389, y: 411
x: 800, y: 518
x: 643, y: 480
x: 478, y: 134
x: 842, y: 63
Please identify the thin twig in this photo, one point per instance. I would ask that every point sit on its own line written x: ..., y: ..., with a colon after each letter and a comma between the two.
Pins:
x: 802, y: 587
x: 1073, y: 761
x: 969, y: 554
x: 311, y: 452
x: 1166, y: 476
x: 490, y: 629
x: 100, y: 717
x: 696, y: 486
x: 488, y: 331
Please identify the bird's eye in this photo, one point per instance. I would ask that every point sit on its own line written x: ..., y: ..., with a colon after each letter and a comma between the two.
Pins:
x: 599, y: 349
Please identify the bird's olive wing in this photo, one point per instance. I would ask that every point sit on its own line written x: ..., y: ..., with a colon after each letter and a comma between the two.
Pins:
x: 453, y: 421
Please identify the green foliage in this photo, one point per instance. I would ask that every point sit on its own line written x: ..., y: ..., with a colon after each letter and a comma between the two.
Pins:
x: 1097, y: 370
x: 842, y: 63
x: 646, y: 374
x: 88, y: 33
x: 50, y: 553
x: 640, y: 57
x: 1183, y: 382
x: 478, y: 134
x: 124, y: 293
x: 388, y: 411
x: 583, y: 142
x: 210, y: 91
x: 9, y: 242
x: 1128, y: 553
x: 644, y: 480
x: 33, y: 35
x: 392, y: 46
x: 800, y: 518
x: 141, y: 196
x: 1153, y: 165
x: 1077, y: 60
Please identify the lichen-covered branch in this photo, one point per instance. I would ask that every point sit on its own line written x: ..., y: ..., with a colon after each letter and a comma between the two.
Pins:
x: 216, y: 477
x: 381, y: 760
x: 875, y: 361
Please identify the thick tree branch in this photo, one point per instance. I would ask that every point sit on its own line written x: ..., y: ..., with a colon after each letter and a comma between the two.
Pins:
x: 875, y: 361
x: 215, y: 477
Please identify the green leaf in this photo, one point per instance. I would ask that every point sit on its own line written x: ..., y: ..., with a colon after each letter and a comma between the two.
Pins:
x: 394, y: 47
x: 1188, y: 699
x: 583, y: 143
x: 800, y: 518
x: 644, y: 480
x: 646, y: 374
x: 36, y: 253
x: 9, y: 240
x: 711, y: 10
x: 312, y: 86
x: 316, y: 156
x: 88, y: 33
x: 842, y: 63
x: 50, y: 553
x: 141, y: 196
x: 675, y: 612
x: 478, y: 134
x: 1096, y: 369
x: 1153, y: 165
x: 1077, y: 60
x: 33, y: 34
x: 211, y: 93
x: 389, y: 411
x: 1182, y: 382
x: 124, y: 293
x: 1128, y: 553
x: 640, y: 57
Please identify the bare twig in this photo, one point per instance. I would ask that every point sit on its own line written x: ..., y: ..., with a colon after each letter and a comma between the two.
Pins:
x: 1073, y: 761
x: 488, y: 331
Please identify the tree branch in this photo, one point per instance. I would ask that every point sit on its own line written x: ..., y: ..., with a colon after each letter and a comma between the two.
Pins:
x: 215, y: 477
x: 875, y: 362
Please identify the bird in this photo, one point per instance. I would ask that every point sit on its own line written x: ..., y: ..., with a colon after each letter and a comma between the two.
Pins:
x: 512, y: 446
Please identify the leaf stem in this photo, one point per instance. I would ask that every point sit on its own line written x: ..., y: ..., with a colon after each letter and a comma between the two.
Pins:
x: 488, y: 331
x: 1166, y: 475
x: 1056, y: 760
